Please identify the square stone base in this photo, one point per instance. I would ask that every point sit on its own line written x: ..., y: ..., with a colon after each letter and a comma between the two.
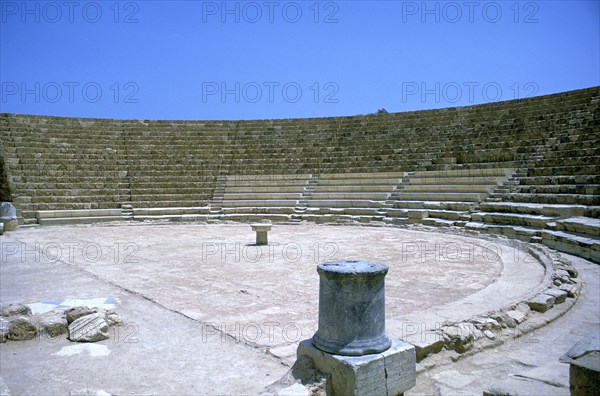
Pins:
x: 9, y: 224
x: 391, y: 372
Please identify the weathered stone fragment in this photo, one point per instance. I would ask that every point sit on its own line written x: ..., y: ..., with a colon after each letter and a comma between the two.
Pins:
x: 14, y: 310
x: 3, y: 330
x: 113, y: 319
x: 518, y: 316
x: 572, y: 290
x: 559, y: 295
x: 541, y: 302
x: 89, y: 328
x: 54, y: 326
x: 21, y: 329
x: 77, y: 312
x: 459, y: 337
x: 504, y: 319
x: 523, y: 308
x: 485, y: 323
x: 8, y: 216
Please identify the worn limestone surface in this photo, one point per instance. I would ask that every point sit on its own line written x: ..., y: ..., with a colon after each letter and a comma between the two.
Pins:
x: 207, y: 312
x: 89, y: 328
x: 529, y: 364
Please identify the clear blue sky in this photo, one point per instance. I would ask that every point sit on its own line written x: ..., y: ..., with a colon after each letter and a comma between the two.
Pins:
x: 283, y: 59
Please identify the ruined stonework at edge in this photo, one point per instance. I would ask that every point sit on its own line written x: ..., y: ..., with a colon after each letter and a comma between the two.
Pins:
x: 528, y: 169
x: 4, y: 190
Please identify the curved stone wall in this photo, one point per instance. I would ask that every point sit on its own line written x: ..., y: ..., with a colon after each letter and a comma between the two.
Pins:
x: 546, y: 149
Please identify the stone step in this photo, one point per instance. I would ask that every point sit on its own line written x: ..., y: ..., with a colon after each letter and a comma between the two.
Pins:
x: 260, y: 196
x: 78, y: 220
x: 376, y: 196
x: 469, y: 180
x: 580, y: 225
x: 250, y: 217
x: 442, y: 188
x: 359, y: 181
x: 581, y: 246
x: 267, y: 178
x: 260, y: 210
x: 529, y: 220
x: 392, y: 212
x: 586, y: 189
x: 171, y: 211
x: 169, y: 203
x: 175, y: 217
x: 168, y: 197
x: 435, y: 205
x: 559, y: 180
x: 261, y: 203
x: 437, y: 222
x: 505, y: 172
x: 587, y: 169
x: 443, y: 196
x: 570, y: 199
x: 448, y: 214
x: 534, y: 209
x: 344, y: 203
x: 50, y: 214
x: 363, y: 175
x: 265, y: 189
x: 292, y: 183
x: 350, y: 211
x: 353, y: 188
x: 585, y: 247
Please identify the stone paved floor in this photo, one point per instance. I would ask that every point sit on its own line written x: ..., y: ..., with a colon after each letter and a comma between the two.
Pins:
x: 527, y: 365
x: 212, y: 314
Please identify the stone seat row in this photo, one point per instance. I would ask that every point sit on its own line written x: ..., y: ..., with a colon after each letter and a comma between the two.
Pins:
x: 174, y: 151
x: 585, y: 189
x: 473, y: 135
x: 220, y: 133
x: 588, y: 169
x: 552, y: 198
x: 83, y: 137
x: 111, y: 191
x: 559, y: 179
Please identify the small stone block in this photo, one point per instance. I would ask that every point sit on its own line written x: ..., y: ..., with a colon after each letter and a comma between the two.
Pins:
x: 559, y: 295
x: 541, y: 303
x: 391, y: 372
x: 518, y: 316
x: 261, y: 232
x: 10, y: 225
x: 417, y: 214
x: 425, y: 344
x: 572, y: 290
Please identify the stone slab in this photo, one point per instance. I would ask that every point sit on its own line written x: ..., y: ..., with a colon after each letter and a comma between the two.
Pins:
x: 541, y: 302
x: 391, y: 372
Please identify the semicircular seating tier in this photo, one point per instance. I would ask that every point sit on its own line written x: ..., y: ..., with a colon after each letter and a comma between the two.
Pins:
x: 527, y: 169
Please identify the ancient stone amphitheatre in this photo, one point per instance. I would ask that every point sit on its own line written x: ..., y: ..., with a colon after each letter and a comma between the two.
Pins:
x: 487, y: 215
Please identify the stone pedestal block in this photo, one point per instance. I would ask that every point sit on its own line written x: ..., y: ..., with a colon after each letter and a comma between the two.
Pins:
x: 8, y: 216
x: 392, y: 372
x: 261, y: 232
x: 351, y: 308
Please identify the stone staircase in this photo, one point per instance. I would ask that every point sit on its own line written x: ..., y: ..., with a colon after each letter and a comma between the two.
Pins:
x: 351, y: 196
x: 443, y: 197
x: 263, y: 197
x: 306, y: 196
x: 445, y: 167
